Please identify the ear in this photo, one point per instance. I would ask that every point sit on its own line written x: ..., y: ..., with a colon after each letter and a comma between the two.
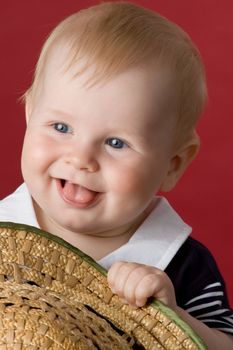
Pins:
x: 183, y: 156
x: 28, y: 107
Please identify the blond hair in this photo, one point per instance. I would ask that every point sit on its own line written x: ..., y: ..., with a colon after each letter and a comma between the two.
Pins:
x: 115, y: 36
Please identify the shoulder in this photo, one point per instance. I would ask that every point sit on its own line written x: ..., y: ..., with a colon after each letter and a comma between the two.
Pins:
x: 191, y: 255
x: 9, y: 203
x: 192, y: 269
x: 18, y: 207
x: 200, y: 288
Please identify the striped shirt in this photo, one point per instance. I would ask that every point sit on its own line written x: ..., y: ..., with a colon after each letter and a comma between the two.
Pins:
x: 200, y: 288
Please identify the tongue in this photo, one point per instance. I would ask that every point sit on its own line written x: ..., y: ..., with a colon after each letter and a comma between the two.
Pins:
x: 76, y: 193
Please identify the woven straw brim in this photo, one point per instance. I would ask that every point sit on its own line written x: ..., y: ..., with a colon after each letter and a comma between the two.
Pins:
x: 53, y: 296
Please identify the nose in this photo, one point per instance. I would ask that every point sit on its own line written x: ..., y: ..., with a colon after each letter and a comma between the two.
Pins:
x: 82, y: 158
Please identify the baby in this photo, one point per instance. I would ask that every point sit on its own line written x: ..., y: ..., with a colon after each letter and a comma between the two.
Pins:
x: 111, y: 118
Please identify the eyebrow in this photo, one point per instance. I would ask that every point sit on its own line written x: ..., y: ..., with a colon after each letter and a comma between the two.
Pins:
x: 59, y: 112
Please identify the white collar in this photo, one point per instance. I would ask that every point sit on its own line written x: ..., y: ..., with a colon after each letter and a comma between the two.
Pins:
x: 156, y: 241
x: 18, y: 207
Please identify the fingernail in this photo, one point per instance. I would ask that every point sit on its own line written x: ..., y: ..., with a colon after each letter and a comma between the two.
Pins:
x: 139, y: 304
x: 124, y: 301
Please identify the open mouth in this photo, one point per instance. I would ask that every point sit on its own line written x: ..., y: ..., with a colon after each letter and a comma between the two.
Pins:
x: 75, y: 194
x: 63, y: 183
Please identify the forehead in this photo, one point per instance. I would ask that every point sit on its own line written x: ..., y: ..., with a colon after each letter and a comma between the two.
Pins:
x: 142, y: 90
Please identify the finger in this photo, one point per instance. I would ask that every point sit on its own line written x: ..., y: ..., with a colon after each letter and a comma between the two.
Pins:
x: 118, y: 274
x: 158, y: 286
x: 147, y: 287
x: 113, y: 272
x: 134, y: 279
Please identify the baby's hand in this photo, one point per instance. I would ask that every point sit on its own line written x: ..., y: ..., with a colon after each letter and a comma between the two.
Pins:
x: 135, y: 283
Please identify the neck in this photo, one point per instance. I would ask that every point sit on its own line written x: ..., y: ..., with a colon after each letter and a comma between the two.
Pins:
x: 95, y: 245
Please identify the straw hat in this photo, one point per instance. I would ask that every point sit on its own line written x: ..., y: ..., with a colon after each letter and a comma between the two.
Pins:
x: 53, y: 296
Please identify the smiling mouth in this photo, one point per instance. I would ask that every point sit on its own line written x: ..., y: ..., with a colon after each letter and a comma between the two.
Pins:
x: 76, y: 195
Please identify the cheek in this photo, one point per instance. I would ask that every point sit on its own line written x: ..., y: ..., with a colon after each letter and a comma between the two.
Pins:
x: 140, y: 179
x: 132, y: 180
x: 35, y: 152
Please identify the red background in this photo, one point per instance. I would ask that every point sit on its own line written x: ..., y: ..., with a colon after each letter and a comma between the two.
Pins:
x: 204, y: 196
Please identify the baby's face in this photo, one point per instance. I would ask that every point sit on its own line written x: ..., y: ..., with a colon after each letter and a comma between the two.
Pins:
x: 94, y: 157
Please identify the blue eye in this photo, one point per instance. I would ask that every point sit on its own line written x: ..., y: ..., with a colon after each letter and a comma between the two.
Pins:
x: 61, y: 127
x: 115, y: 143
